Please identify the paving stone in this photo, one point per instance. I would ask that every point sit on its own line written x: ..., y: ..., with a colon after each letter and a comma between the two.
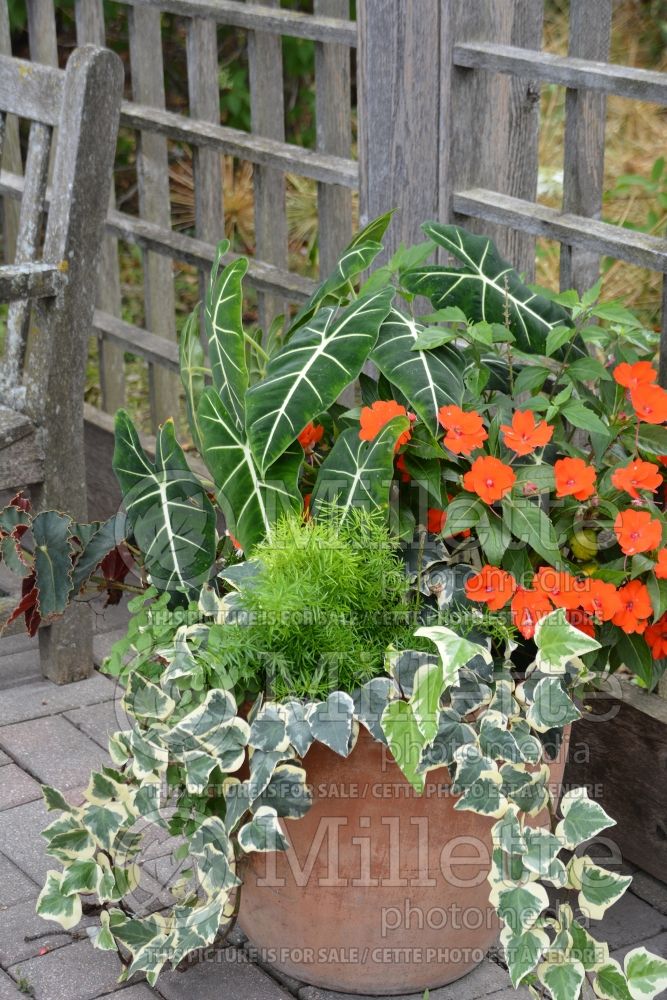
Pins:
x: 138, y: 992
x: 487, y: 979
x: 20, y: 921
x: 228, y: 975
x: 4, y: 759
x: 100, y: 721
x: 53, y: 750
x: 627, y: 922
x: 15, y: 886
x: 8, y: 988
x: 33, y: 701
x: 657, y: 944
x: 20, y: 839
x: 75, y: 972
x: 17, y: 787
x: 103, y: 643
x: 650, y: 890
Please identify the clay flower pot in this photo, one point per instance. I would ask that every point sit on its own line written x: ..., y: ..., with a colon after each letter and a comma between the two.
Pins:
x: 382, y: 891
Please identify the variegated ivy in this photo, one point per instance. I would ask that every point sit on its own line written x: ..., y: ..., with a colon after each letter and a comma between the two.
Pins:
x: 192, y: 766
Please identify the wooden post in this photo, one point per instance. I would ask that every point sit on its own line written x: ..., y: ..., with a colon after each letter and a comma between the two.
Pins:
x: 265, y: 57
x: 489, y: 122
x: 154, y: 203
x: 204, y: 93
x: 585, y: 113
x: 80, y: 193
x: 90, y: 30
x: 333, y: 116
x: 398, y: 88
x: 11, y: 153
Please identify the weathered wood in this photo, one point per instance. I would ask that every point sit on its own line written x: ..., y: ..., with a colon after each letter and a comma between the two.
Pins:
x: 30, y: 90
x: 42, y: 32
x: 21, y: 463
x: 90, y: 30
x: 11, y: 153
x: 13, y: 426
x: 398, y: 89
x: 634, y: 247
x: 127, y: 336
x: 266, y: 152
x: 54, y: 400
x: 333, y: 119
x: 253, y: 16
x: 267, y: 109
x: 489, y: 124
x: 636, y: 796
x: 609, y: 78
x: 154, y: 201
x: 177, y: 246
x: 27, y: 245
x: 204, y: 95
x: 583, y: 160
x: 30, y: 280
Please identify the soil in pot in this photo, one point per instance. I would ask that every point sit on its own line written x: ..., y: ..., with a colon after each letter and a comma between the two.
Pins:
x: 382, y: 891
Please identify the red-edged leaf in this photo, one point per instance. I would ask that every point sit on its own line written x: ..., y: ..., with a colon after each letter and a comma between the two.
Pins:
x: 27, y: 606
x: 115, y: 566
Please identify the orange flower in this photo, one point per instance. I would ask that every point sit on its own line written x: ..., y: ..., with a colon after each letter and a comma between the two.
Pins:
x: 374, y: 418
x: 574, y: 478
x: 310, y: 435
x: 465, y: 431
x: 637, y: 475
x: 635, y: 609
x: 489, y: 478
x: 491, y: 586
x: 564, y: 589
x: 637, y: 531
x: 581, y: 620
x: 523, y: 436
x: 660, y: 568
x: 632, y: 376
x: 656, y: 638
x: 528, y: 607
x: 435, y: 520
x: 650, y: 403
x: 601, y: 600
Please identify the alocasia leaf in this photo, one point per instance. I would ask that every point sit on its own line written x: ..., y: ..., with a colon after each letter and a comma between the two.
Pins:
x: 223, y: 317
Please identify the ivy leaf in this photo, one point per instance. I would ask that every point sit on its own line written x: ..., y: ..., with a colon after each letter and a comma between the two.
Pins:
x: 287, y: 792
x: 425, y: 699
x: 562, y: 979
x: 53, y: 904
x: 558, y: 643
x: 519, y: 906
x: 522, y: 951
x: 485, y: 287
x: 452, y: 734
x: 263, y: 832
x: 427, y: 379
x: 610, y: 982
x: 370, y: 702
x: 269, y: 729
x: 308, y: 374
x: 582, y: 819
x: 332, y: 722
x: 598, y: 888
x: 405, y: 740
x: 298, y: 728
x: 104, y: 822
x: 455, y: 651
x: 168, y: 510
x: 484, y: 796
x: 551, y: 707
x: 80, y: 876
x: 358, y: 473
x: 646, y: 974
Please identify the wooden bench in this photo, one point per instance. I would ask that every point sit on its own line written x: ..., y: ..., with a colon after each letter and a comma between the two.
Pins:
x: 50, y: 287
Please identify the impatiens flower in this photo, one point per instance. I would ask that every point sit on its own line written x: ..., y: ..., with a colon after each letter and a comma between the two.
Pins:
x: 601, y: 600
x: 563, y: 589
x: 660, y: 568
x: 635, y: 608
x: 637, y: 475
x: 489, y: 478
x: 528, y: 607
x: 491, y: 586
x: 435, y: 520
x: 656, y: 638
x: 374, y: 418
x: 402, y: 468
x: 637, y: 531
x: 650, y: 403
x: 310, y: 435
x: 465, y: 431
x: 632, y: 376
x: 523, y: 436
x: 581, y: 620
x: 574, y: 478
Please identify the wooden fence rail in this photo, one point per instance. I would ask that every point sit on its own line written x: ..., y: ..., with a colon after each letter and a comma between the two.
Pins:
x: 448, y: 126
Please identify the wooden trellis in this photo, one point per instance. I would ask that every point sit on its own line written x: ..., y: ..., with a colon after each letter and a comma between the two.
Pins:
x: 448, y: 123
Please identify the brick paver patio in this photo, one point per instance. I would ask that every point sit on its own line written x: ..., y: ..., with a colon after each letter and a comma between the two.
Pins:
x: 55, y: 734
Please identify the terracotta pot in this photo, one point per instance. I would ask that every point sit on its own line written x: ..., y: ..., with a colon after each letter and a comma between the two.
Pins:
x: 382, y: 891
